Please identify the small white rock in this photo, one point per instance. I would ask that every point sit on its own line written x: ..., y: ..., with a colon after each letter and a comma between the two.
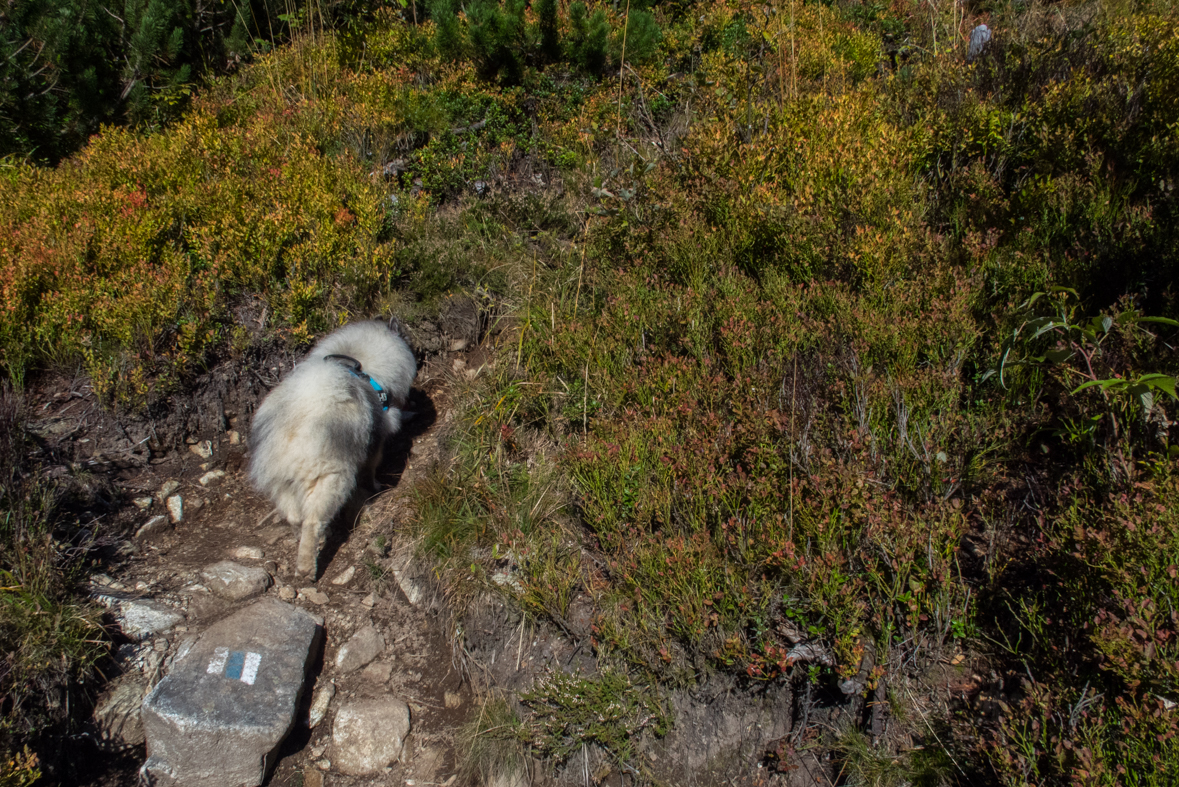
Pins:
x: 360, y: 649
x: 235, y: 582
x: 287, y: 593
x: 175, y: 508
x: 320, y: 703
x: 235, y: 437
x: 168, y: 488
x: 248, y: 553
x: 345, y: 576
x: 370, y: 600
x: 324, y: 765
x: 409, y: 586
x: 153, y: 525
x: 142, y: 503
x: 314, y: 595
x: 203, y: 449
x: 143, y: 618
x: 211, y: 476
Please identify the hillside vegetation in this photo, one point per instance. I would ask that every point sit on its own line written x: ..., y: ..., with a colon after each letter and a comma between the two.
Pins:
x: 823, y: 354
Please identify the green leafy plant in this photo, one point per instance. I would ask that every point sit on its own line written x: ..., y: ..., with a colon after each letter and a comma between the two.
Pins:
x: 1076, y: 347
x: 569, y: 711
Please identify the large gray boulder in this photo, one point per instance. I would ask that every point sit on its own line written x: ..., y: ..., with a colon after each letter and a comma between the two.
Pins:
x: 228, y: 702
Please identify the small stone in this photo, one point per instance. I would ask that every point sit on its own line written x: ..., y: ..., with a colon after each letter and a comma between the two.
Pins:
x: 142, y: 503
x: 319, y: 704
x: 142, y: 618
x: 314, y: 595
x: 287, y: 593
x: 175, y: 508
x: 235, y: 582
x: 234, y: 436
x: 361, y: 648
x: 458, y: 345
x: 345, y: 576
x: 452, y: 699
x: 368, y: 735
x: 312, y: 779
x: 248, y: 553
x: 370, y: 600
x: 378, y: 672
x: 409, y: 586
x: 168, y: 488
x: 153, y: 525
x: 458, y: 364
x: 202, y: 449
x: 211, y: 476
x: 196, y: 503
x: 324, y: 764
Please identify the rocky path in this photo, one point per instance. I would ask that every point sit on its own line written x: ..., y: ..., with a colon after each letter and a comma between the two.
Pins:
x: 204, y: 553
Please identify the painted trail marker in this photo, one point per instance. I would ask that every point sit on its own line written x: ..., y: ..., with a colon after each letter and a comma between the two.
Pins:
x: 229, y: 700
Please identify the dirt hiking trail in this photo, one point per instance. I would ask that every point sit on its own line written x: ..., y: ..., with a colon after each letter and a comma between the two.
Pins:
x: 176, y: 484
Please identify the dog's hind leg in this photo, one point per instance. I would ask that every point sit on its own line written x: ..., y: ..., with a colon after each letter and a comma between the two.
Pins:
x: 310, y: 542
x: 325, y: 499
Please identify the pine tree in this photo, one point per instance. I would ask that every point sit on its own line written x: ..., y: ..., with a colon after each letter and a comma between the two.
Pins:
x: 588, y: 38
x: 448, y: 37
x: 496, y: 34
x: 546, y: 22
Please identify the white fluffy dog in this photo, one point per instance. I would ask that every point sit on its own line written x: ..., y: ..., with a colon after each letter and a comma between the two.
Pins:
x: 326, y: 424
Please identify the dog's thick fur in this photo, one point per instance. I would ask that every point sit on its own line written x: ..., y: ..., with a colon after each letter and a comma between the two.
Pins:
x: 322, y: 429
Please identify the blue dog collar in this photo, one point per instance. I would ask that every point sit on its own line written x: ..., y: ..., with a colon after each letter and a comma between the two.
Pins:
x: 353, y: 365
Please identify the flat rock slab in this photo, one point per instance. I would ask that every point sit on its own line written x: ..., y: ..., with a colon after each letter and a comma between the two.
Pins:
x: 143, y: 617
x: 219, y: 716
x: 369, y: 734
x: 234, y: 581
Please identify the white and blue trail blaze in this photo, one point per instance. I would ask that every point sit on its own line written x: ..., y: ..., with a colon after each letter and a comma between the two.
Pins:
x: 235, y: 665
